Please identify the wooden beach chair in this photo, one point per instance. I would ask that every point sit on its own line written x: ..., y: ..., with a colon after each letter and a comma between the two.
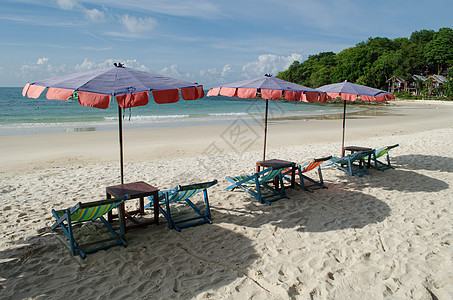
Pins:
x: 382, y: 165
x: 305, y: 182
x: 257, y: 184
x: 66, y: 219
x: 184, y: 193
x: 347, y: 163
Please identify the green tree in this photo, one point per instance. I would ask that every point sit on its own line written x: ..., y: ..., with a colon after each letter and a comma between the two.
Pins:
x: 439, y: 51
x: 422, y: 37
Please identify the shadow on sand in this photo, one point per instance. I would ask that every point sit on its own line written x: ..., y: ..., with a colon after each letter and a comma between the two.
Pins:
x: 325, y: 210
x: 425, y: 162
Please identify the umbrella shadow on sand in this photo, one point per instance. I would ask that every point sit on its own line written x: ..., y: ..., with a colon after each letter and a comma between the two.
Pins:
x: 158, y: 262
x: 324, y: 210
x: 425, y: 162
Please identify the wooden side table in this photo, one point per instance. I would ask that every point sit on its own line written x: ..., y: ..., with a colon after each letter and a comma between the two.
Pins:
x: 353, y: 149
x: 278, y: 163
x: 135, y: 190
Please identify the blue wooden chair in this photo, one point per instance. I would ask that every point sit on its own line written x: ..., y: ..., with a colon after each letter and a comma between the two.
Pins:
x: 184, y: 193
x: 85, y: 212
x: 254, y: 184
x: 304, y: 182
x: 346, y: 163
x: 382, y: 165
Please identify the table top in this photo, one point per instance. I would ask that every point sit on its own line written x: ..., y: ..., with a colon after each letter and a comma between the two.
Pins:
x: 134, y: 189
x: 357, y: 148
x: 276, y: 163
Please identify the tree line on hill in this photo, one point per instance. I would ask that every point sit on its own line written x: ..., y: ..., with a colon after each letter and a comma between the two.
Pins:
x: 373, y: 62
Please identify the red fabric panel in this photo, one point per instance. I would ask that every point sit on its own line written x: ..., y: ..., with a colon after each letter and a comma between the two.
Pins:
x: 200, y: 91
x: 134, y: 100
x: 94, y: 100
x: 390, y: 96
x: 290, y: 95
x: 333, y: 95
x: 166, y: 96
x: 59, y: 94
x: 189, y: 93
x: 322, y: 97
x: 246, y: 93
x: 228, y: 91
x: 350, y: 97
x: 311, y: 96
x: 367, y: 98
x: 271, y: 94
x: 213, y: 92
x: 381, y: 98
x: 34, y: 91
x: 300, y: 96
x: 25, y: 89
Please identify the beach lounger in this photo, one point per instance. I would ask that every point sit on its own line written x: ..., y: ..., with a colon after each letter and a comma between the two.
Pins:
x: 184, y: 193
x: 379, y: 165
x: 84, y: 212
x: 304, y: 181
x: 346, y: 163
x: 254, y: 184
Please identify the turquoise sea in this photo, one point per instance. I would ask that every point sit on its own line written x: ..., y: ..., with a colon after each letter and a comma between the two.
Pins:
x: 21, y: 115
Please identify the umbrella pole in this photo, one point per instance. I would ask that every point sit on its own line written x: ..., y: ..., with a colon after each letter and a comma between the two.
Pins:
x: 344, y: 121
x: 120, y: 122
x: 265, y: 129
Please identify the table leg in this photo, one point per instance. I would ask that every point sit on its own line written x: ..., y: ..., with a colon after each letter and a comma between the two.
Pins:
x: 122, y: 215
x: 142, y: 206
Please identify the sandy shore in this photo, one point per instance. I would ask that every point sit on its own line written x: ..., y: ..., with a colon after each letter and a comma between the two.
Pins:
x: 385, y: 235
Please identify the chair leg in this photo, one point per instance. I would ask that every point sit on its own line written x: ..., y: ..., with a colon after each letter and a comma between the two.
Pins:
x: 206, y: 203
x: 321, y: 180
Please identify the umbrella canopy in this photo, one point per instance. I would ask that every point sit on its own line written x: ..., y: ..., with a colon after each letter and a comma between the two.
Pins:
x: 269, y: 88
x: 130, y: 88
x: 349, y: 91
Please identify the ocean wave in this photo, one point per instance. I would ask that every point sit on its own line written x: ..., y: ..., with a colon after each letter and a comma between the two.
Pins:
x: 229, y: 114
x: 143, y: 117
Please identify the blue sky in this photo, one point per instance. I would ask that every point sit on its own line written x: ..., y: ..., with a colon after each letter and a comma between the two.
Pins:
x: 205, y: 41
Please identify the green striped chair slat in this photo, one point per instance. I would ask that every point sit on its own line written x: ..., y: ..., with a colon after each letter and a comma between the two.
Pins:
x: 90, y: 213
x: 242, y: 177
x: 182, y: 195
x: 270, y: 175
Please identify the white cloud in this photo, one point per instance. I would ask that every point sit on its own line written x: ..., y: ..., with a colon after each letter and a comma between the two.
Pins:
x: 136, y: 25
x: 88, y: 65
x: 173, y: 71
x: 209, y: 73
x: 269, y: 63
x: 67, y: 4
x: 226, y: 70
x: 40, y: 69
x: 94, y: 15
x: 42, y: 61
x: 197, y: 8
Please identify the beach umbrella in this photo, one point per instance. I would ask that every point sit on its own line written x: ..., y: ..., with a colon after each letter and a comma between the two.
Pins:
x: 130, y: 88
x: 349, y: 91
x: 268, y: 88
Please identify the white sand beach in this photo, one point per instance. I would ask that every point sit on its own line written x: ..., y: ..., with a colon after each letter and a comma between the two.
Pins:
x: 387, y: 235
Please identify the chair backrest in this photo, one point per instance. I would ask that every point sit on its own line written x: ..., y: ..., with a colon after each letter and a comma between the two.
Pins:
x: 384, y: 150
x: 314, y: 164
x: 361, y: 155
x: 270, y: 174
x: 183, y: 192
x: 92, y: 210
